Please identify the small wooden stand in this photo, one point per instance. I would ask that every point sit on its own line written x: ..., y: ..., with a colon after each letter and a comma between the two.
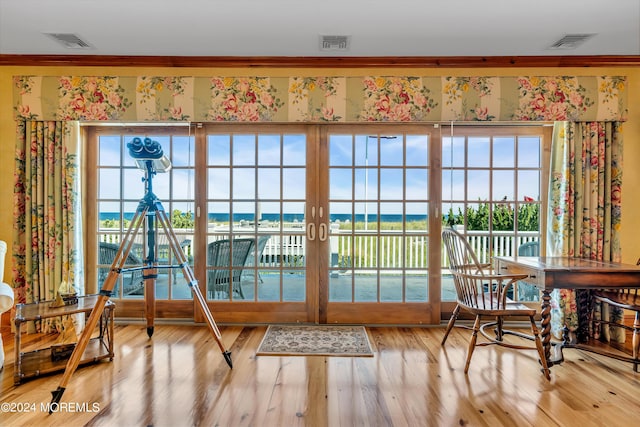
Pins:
x: 30, y: 364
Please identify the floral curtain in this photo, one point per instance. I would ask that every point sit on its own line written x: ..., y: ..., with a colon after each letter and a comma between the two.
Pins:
x: 584, y: 212
x: 312, y: 98
x: 47, y: 247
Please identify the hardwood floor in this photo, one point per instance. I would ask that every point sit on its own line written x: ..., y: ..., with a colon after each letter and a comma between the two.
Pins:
x: 179, y: 378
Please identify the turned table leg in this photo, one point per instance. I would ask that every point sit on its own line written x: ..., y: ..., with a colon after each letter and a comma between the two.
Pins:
x: 545, y: 325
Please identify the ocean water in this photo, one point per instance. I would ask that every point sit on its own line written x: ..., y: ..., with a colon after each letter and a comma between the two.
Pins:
x: 224, y: 217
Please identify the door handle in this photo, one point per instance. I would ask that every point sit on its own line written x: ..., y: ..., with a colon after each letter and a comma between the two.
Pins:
x: 311, y: 226
x: 311, y: 231
x: 322, y: 231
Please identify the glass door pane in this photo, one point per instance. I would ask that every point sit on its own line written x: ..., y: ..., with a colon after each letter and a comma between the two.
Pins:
x: 492, y: 192
x: 379, y: 235
x: 120, y: 188
x: 256, y: 236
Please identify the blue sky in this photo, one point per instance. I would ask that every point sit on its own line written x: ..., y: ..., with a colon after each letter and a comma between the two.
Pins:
x: 358, y: 157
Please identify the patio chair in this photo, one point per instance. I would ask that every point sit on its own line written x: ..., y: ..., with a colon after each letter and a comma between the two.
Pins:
x: 132, y: 283
x: 254, y: 257
x: 482, y: 293
x: 526, y: 291
x: 227, y: 258
x: 529, y: 249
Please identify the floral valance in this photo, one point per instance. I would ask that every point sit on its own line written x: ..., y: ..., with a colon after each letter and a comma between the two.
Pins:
x: 321, y: 99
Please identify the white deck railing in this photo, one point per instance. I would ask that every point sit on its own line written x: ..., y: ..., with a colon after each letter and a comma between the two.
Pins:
x: 504, y: 243
x: 363, y: 250
x: 384, y: 251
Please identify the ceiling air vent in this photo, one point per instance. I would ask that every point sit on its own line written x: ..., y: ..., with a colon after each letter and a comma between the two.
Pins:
x: 571, y: 41
x: 70, y: 41
x: 334, y: 42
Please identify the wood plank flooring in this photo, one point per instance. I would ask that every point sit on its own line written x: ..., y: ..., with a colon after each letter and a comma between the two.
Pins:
x: 179, y: 378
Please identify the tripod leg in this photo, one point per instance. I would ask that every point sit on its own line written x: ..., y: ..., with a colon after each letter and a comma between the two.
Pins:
x: 212, y: 324
x: 150, y: 275
x: 105, y: 293
x: 163, y: 219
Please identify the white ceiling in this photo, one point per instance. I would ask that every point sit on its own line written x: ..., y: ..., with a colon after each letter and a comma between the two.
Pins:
x: 294, y: 27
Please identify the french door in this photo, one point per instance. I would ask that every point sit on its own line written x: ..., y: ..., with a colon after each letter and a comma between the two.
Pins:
x: 253, y: 199
x: 344, y: 212
x: 379, y: 193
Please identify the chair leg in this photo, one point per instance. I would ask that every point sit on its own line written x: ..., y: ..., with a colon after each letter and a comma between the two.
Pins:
x: 636, y: 341
x: 543, y: 359
x: 499, y: 328
x: 472, y: 343
x: 452, y: 321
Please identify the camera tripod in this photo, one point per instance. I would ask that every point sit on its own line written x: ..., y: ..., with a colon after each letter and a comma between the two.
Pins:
x: 151, y: 209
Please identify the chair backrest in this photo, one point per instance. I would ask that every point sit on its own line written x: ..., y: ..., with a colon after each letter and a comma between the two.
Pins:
x: 254, y: 256
x: 262, y: 242
x: 461, y: 256
x: 106, y: 254
x: 223, y: 254
x: 529, y: 249
x: 469, y: 276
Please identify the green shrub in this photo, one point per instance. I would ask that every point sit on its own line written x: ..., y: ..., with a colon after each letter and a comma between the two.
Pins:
x: 181, y: 219
x: 502, y: 218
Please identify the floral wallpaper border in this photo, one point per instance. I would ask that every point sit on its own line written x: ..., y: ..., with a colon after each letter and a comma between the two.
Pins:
x: 320, y: 99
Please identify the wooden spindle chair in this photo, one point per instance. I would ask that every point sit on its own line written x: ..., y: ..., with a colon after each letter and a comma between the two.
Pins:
x: 482, y: 293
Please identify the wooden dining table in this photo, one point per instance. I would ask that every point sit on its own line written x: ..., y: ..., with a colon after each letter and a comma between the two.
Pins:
x: 549, y: 273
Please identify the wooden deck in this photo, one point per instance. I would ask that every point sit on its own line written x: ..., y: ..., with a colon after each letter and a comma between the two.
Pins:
x: 179, y: 378
x: 269, y: 288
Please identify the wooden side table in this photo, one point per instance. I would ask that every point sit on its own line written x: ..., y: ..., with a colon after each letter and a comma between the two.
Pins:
x: 38, y: 362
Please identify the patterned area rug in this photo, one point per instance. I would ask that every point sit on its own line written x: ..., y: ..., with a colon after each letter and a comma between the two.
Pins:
x: 315, y: 340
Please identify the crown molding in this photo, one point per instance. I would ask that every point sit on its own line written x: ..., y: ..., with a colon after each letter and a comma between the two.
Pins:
x: 320, y: 62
